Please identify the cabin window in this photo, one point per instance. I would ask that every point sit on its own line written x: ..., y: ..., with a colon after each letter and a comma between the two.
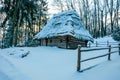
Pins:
x: 50, y: 40
x: 61, y: 40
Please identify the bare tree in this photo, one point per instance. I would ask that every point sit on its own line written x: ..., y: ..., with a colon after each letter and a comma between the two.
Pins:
x: 98, y: 16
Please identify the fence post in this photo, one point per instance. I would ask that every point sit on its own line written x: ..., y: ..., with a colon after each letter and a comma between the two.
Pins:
x: 119, y: 48
x: 79, y: 58
x: 109, y: 52
x: 107, y: 43
x: 96, y: 44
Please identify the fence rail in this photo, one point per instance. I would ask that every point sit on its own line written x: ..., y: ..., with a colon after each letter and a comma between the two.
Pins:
x: 79, y: 61
x: 97, y: 44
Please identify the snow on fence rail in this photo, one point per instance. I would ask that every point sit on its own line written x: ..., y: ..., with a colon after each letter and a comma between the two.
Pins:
x: 97, y: 44
x: 79, y: 61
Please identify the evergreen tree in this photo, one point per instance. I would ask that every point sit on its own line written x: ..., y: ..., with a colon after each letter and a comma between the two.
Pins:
x: 20, y: 14
x: 42, y: 11
x: 116, y: 34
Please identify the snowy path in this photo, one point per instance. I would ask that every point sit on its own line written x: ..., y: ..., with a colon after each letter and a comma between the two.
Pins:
x: 3, y: 76
x: 8, y: 71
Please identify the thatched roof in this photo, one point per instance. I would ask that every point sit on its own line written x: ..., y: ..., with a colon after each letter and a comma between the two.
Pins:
x: 65, y: 23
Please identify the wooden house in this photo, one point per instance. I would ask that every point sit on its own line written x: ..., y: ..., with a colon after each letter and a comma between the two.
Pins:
x: 64, y: 30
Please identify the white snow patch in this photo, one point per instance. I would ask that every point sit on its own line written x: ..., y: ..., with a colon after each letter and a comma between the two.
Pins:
x: 18, y: 52
x: 105, y: 39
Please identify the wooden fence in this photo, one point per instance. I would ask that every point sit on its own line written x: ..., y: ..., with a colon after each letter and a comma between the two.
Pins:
x: 79, y: 61
x: 98, y: 44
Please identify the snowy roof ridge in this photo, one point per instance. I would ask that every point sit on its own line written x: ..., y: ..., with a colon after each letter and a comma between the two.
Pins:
x: 65, y: 23
x: 66, y: 13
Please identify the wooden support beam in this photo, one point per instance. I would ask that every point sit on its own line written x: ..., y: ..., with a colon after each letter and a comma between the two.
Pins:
x: 79, y: 58
x: 109, y: 51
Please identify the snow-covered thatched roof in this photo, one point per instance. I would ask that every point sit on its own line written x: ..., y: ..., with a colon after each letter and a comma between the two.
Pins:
x: 65, y: 23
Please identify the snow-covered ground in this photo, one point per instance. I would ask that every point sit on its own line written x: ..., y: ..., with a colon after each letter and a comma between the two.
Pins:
x: 52, y: 63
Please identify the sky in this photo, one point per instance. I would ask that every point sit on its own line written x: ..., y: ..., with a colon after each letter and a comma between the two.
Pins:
x: 51, y: 9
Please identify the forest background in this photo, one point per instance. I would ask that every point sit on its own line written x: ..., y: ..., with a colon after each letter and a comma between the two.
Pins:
x: 21, y: 20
